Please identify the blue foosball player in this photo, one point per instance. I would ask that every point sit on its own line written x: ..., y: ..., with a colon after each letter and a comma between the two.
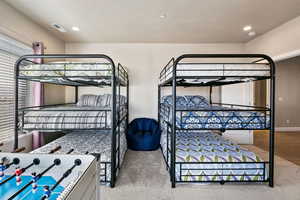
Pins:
x: 34, y: 182
x: 2, y: 168
x: 47, y: 192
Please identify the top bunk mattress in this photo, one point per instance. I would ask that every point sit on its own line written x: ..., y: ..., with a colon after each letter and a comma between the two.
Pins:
x: 220, y: 69
x: 70, y: 73
x: 207, y: 72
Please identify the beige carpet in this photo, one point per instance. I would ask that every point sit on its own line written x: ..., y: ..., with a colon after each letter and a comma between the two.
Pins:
x: 144, y: 177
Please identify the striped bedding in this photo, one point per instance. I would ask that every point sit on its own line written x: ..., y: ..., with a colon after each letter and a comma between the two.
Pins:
x: 64, y: 117
x: 69, y: 117
x: 92, y: 142
x: 228, y: 161
x: 91, y: 112
x: 196, y: 112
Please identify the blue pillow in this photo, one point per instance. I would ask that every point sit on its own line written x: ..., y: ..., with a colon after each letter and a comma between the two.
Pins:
x: 180, y: 100
x: 197, y: 101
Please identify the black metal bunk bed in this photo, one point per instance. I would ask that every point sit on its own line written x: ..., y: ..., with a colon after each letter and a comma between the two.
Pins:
x: 76, y: 74
x: 175, y: 122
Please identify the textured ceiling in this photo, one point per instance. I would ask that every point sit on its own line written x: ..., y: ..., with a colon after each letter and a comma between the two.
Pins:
x: 187, y: 21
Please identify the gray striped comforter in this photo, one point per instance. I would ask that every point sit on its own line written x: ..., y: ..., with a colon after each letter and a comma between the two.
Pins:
x: 69, y: 117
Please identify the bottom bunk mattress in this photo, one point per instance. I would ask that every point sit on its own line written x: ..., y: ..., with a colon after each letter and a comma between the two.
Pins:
x: 93, y: 142
x: 209, y: 157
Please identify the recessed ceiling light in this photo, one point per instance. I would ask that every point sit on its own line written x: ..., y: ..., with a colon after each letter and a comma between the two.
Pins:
x: 247, y: 28
x: 252, y: 33
x: 163, y: 16
x: 58, y: 27
x: 75, y: 28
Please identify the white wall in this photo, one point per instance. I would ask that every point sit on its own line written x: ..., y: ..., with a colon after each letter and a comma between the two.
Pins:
x: 21, y: 28
x: 18, y: 26
x: 145, y: 62
x: 279, y: 42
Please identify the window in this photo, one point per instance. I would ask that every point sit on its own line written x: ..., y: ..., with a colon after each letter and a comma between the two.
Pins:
x: 10, y: 51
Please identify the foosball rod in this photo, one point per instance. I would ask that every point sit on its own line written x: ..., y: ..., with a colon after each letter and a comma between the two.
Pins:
x: 35, y: 161
x: 24, y: 169
x: 15, y: 161
x: 54, y: 150
x: 77, y: 162
x: 40, y: 175
x: 16, y: 150
x: 70, y: 151
x: 19, y: 150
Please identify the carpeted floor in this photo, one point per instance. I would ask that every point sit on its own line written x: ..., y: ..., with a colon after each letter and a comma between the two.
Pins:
x: 144, y: 177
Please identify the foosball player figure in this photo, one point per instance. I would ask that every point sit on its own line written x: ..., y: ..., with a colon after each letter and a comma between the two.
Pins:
x: 47, y: 192
x: 18, y: 173
x: 2, y: 168
x: 34, y: 182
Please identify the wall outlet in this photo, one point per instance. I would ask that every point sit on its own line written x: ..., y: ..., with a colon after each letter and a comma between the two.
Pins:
x: 288, y: 121
x: 280, y: 99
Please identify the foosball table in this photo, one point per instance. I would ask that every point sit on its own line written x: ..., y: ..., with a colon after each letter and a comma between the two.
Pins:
x: 48, y: 176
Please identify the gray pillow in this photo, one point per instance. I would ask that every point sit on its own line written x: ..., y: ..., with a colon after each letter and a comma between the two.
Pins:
x: 89, y: 100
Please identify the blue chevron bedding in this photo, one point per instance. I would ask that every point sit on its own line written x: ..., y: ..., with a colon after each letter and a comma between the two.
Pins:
x: 193, y: 149
x: 196, y: 112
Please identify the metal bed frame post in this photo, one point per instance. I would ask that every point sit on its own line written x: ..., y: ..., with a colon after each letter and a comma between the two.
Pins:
x: 76, y: 94
x: 119, y: 117
x: 127, y: 101
x: 158, y: 105
x: 16, y: 136
x: 173, y: 135
x: 113, y: 141
x: 210, y: 94
x: 272, y: 119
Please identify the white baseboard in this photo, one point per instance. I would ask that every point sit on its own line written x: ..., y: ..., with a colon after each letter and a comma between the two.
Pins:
x: 288, y: 129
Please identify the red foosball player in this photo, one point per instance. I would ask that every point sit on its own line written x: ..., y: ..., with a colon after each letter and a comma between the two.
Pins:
x: 47, y: 192
x: 18, y: 173
x: 2, y: 168
x: 34, y: 182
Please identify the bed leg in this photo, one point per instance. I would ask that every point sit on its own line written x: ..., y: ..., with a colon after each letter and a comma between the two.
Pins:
x: 173, y: 185
x: 112, y: 185
x: 271, y: 183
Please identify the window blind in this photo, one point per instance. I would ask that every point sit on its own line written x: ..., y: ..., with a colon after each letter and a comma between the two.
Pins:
x: 8, y: 57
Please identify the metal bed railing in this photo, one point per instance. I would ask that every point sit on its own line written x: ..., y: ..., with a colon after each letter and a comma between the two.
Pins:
x: 104, y: 172
x: 185, y: 171
x: 222, y: 168
x: 79, y: 74
x: 234, y: 117
x: 69, y: 119
x: 197, y: 75
x: 72, y: 74
x: 214, y: 73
